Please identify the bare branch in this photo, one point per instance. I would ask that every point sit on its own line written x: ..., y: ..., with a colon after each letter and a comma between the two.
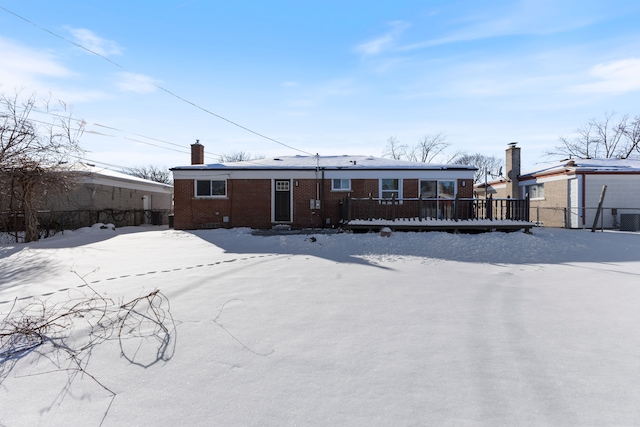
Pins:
x: 238, y: 156
x: 151, y: 172
x: 34, y: 155
x: 487, y: 165
x: 144, y: 328
x: 394, y: 149
x: 601, y: 138
x: 428, y: 148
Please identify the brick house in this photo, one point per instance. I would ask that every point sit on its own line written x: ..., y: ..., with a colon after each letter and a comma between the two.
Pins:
x: 300, y: 191
x: 567, y: 193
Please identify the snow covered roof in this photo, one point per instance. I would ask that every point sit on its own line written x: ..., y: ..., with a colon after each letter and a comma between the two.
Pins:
x: 93, y: 171
x: 589, y: 165
x: 325, y: 162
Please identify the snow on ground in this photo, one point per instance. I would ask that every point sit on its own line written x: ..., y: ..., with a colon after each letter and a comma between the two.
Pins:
x: 343, y: 329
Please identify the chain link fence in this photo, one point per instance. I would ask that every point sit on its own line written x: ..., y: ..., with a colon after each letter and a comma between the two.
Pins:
x: 610, y: 217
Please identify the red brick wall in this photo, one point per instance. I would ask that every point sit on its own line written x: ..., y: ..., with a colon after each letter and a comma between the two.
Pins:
x: 465, y: 192
x: 251, y: 210
x: 249, y: 202
x: 409, y: 188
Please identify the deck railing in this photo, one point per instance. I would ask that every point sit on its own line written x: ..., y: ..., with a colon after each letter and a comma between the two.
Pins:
x: 458, y: 209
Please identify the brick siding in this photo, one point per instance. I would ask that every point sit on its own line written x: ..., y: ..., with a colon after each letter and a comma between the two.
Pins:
x: 249, y: 202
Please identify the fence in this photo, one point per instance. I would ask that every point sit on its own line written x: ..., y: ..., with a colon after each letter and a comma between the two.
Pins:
x: 52, y: 222
x: 583, y: 217
x: 443, y: 209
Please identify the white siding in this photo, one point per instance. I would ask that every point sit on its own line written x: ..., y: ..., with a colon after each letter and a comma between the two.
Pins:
x: 623, y: 192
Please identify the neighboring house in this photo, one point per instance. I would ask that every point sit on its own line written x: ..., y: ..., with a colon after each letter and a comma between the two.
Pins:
x: 300, y: 191
x: 567, y: 193
x: 102, y: 195
x: 93, y: 195
x: 99, y: 188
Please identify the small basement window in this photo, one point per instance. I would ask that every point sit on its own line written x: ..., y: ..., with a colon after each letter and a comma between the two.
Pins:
x: 339, y: 184
x: 211, y: 188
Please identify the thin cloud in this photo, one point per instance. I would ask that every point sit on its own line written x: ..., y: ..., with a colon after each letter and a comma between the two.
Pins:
x: 616, y: 77
x: 22, y: 67
x: 39, y: 72
x: 137, y: 83
x: 93, y: 42
x: 384, y: 42
x: 311, y: 97
x: 527, y: 18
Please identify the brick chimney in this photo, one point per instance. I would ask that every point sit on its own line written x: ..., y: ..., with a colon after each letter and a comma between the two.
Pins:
x: 197, y: 153
x: 513, y: 170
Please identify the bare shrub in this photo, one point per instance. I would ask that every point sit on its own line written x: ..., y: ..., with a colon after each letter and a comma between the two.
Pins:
x: 66, y: 333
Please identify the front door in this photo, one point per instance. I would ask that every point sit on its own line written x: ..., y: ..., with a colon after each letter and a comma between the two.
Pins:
x: 282, y: 200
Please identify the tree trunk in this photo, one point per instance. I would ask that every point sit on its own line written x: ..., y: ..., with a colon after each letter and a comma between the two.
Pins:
x: 27, y: 188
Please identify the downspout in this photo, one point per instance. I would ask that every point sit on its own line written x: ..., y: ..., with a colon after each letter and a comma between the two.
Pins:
x: 322, y: 199
x: 229, y: 196
x: 317, y: 170
x: 584, y: 201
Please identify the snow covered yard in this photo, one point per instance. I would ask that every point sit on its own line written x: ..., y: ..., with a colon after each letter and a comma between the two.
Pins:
x: 345, y: 329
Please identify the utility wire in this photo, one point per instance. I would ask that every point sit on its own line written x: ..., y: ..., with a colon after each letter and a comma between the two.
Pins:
x: 155, y: 84
x: 184, y: 150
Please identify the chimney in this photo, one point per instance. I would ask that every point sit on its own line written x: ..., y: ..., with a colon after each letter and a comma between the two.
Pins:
x: 513, y: 170
x: 197, y: 153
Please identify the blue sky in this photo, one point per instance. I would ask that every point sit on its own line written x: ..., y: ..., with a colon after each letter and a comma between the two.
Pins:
x: 330, y: 77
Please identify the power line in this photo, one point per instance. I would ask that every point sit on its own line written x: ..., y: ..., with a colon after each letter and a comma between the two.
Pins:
x: 155, y: 84
x: 148, y: 137
x: 93, y: 132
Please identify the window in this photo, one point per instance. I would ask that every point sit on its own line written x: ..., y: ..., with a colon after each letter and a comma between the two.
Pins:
x: 389, y: 188
x: 437, y: 189
x: 446, y: 189
x: 282, y: 185
x: 341, y: 184
x: 536, y: 191
x: 211, y: 188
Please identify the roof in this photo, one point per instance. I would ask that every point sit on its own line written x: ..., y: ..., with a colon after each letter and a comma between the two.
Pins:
x: 108, y: 174
x: 325, y: 162
x: 589, y: 165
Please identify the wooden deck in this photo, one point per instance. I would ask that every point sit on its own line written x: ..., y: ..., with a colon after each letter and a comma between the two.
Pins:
x: 453, y: 215
x: 463, y: 226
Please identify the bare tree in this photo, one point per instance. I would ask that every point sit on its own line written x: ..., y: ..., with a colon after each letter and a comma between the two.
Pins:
x: 632, y: 137
x: 238, y: 156
x: 151, y: 172
x: 34, y: 155
x: 487, y: 165
x: 426, y: 150
x: 602, y: 138
x: 394, y: 149
x: 609, y: 134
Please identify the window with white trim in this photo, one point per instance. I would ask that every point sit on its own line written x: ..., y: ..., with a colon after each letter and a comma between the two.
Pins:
x: 340, y: 184
x: 433, y: 189
x: 390, y: 188
x: 211, y: 188
x: 536, y: 191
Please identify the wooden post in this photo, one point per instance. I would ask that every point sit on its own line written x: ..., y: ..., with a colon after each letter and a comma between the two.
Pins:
x: 393, y: 207
x: 599, y: 210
